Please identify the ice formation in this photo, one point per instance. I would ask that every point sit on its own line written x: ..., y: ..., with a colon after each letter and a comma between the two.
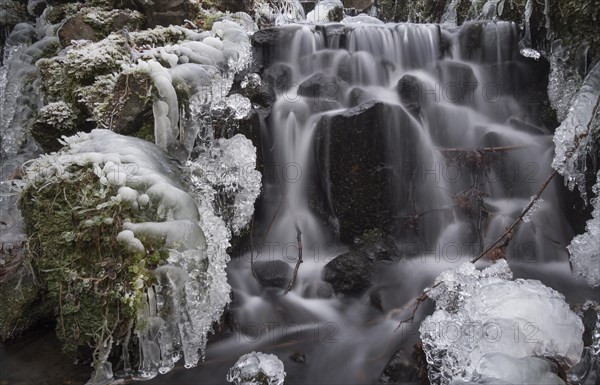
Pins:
x: 322, y: 11
x: 192, y: 287
x: 249, y: 368
x: 278, y: 12
x: 574, y: 137
x: 203, y: 63
x: 226, y: 180
x: 483, y: 314
x: 585, y: 248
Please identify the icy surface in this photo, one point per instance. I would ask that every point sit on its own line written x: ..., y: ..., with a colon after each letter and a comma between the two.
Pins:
x: 484, y: 312
x: 530, y: 53
x: 249, y: 366
x: 227, y: 180
x: 585, y: 248
x: 361, y: 19
x: 496, y: 367
x: 574, y: 137
x: 533, y: 209
x: 278, y: 12
x: 206, y: 63
x: 192, y: 289
x: 321, y: 12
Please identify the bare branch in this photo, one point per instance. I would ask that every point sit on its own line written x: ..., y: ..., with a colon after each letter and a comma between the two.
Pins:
x: 299, y: 242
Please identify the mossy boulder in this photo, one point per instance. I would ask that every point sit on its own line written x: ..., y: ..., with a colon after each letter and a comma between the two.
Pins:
x: 92, y: 283
x: 53, y: 121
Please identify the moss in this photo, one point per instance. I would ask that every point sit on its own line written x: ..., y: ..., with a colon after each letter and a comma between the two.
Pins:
x: 419, y: 11
x: 23, y: 305
x: 58, y: 12
x: 89, y: 277
x: 146, y: 132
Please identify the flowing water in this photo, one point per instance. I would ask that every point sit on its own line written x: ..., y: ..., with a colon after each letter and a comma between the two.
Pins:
x: 461, y: 152
x: 456, y: 148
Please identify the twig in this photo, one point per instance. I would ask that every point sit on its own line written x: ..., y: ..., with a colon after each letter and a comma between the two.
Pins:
x: 252, y: 247
x: 422, y: 298
x: 299, y: 241
x: 486, y: 149
x: 519, y: 218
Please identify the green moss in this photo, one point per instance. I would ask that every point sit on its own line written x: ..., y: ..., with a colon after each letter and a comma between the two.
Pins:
x: 89, y: 277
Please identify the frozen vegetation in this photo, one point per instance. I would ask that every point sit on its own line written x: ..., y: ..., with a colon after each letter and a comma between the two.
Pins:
x: 174, y: 303
x: 257, y: 368
x: 488, y: 328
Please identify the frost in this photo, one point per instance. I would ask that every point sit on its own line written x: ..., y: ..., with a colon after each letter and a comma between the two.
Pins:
x: 278, y: 12
x: 481, y: 313
x: 449, y: 16
x: 585, y: 248
x: 562, y: 82
x: 323, y: 10
x: 361, y: 19
x: 240, y: 105
x: 251, y: 368
x: 227, y: 179
x: 530, y: 52
x: 537, y: 203
x: 574, y: 137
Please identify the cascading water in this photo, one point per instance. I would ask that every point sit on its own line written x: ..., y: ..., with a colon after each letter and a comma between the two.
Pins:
x: 428, y: 133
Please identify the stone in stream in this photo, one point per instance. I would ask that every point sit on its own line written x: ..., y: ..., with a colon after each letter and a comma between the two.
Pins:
x: 273, y: 273
x: 323, y: 87
x: 349, y: 273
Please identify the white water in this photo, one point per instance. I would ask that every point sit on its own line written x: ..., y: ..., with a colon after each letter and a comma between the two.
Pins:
x: 345, y: 339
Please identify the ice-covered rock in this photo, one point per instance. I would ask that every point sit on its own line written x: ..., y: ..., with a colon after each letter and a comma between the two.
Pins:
x: 481, y: 313
x: 257, y: 368
x: 278, y: 12
x: 584, y: 249
x: 190, y: 289
x: 326, y: 11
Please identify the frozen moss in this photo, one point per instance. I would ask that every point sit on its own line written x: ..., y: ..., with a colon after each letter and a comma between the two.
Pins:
x: 53, y: 121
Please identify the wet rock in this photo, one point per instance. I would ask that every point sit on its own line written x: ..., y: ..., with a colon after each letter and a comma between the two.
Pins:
x: 459, y: 82
x: 277, y: 79
x: 232, y: 6
x: 349, y: 273
x: 166, y: 12
x: 323, y: 87
x: 132, y: 101
x: 298, y: 357
x: 318, y: 289
x: 273, y: 273
x: 358, y: 96
x: 398, y: 370
x: 76, y: 28
x: 378, y: 246
x: 410, y: 89
x: 354, y: 187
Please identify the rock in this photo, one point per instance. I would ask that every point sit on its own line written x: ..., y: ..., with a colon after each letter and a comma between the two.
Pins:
x: 166, y: 12
x: 132, y: 98
x: 318, y: 289
x: 76, y: 28
x: 276, y: 79
x: 410, y: 89
x: 349, y: 273
x: 53, y: 121
x: 232, y: 6
x: 358, y: 96
x: 398, y: 370
x: 298, y: 357
x: 273, y: 273
x: 458, y: 82
x: 378, y: 246
x: 323, y: 87
x: 354, y: 184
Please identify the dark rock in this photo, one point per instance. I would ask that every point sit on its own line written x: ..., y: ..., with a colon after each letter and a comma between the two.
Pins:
x: 399, y: 370
x: 354, y: 184
x: 277, y: 79
x: 323, y: 87
x: 76, y: 28
x: 273, y: 273
x: 318, y: 289
x: 298, y: 357
x: 378, y: 246
x: 459, y: 82
x: 232, y: 6
x: 132, y: 98
x: 349, y: 273
x: 166, y: 12
x: 411, y: 91
x: 359, y: 96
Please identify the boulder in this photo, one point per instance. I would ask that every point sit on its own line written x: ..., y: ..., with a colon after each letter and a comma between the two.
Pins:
x: 411, y: 90
x: 132, y: 98
x: 349, y: 273
x: 273, y: 273
x: 76, y: 28
x: 378, y: 246
x: 358, y: 96
x: 318, y: 289
x: 323, y: 87
x: 356, y: 185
